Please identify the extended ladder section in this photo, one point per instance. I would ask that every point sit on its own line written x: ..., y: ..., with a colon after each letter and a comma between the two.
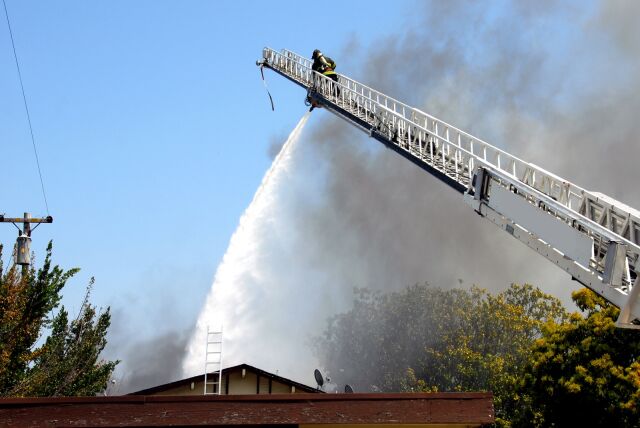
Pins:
x: 592, y: 237
x: 213, y: 363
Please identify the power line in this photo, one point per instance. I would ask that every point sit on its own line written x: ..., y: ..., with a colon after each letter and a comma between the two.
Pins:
x: 26, y: 107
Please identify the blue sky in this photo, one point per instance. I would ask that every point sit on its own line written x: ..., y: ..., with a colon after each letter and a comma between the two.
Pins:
x: 152, y: 128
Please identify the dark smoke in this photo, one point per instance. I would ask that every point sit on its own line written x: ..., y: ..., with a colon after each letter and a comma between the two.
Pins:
x: 150, y: 362
x: 555, y: 84
x: 594, y: 140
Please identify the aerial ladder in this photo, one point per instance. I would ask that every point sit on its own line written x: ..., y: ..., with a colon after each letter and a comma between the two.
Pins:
x: 591, y: 236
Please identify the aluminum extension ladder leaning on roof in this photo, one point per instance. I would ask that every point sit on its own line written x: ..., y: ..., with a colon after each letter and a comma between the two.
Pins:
x: 591, y: 236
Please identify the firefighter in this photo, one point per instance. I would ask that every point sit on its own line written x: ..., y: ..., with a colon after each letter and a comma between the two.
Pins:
x: 324, y: 65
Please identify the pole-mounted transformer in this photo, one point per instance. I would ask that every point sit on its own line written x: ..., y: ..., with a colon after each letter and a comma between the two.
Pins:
x: 23, y: 249
x: 23, y: 242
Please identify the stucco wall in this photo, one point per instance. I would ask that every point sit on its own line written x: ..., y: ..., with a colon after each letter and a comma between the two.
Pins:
x: 238, y: 385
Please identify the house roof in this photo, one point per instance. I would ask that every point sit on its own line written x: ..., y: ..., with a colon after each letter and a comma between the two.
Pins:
x: 261, y: 373
x: 406, y: 410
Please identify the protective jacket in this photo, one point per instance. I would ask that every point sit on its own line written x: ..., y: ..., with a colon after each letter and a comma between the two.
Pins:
x: 324, y: 65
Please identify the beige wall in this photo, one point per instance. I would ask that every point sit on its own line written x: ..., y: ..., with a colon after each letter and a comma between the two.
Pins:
x: 185, y: 389
x: 281, y: 388
x: 237, y: 385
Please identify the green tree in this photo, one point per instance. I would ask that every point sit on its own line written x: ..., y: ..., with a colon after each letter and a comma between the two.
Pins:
x: 372, y: 345
x: 67, y: 363
x: 584, y: 372
x: 428, y: 339
x: 490, y: 346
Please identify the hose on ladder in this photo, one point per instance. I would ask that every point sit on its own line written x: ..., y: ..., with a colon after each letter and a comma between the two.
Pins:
x: 265, y: 87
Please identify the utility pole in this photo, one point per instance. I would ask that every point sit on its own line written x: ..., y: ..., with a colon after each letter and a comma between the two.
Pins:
x: 23, y: 242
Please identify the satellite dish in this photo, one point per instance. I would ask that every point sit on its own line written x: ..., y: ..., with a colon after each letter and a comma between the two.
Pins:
x: 348, y: 389
x: 319, y: 378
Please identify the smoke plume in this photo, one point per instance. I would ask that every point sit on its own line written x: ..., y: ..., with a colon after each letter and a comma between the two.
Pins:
x: 556, y: 84
x: 513, y: 75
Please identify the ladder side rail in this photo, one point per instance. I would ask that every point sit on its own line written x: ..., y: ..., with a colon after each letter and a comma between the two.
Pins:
x: 571, y: 195
x: 367, y: 111
x: 456, y: 161
x: 622, y: 221
x: 206, y: 362
x: 577, y: 220
x: 220, y: 366
x: 626, y: 223
x: 279, y: 58
x: 288, y: 65
x: 603, y: 236
x: 306, y: 62
x: 618, y: 290
x: 565, y: 192
x: 623, y: 297
x: 463, y: 158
